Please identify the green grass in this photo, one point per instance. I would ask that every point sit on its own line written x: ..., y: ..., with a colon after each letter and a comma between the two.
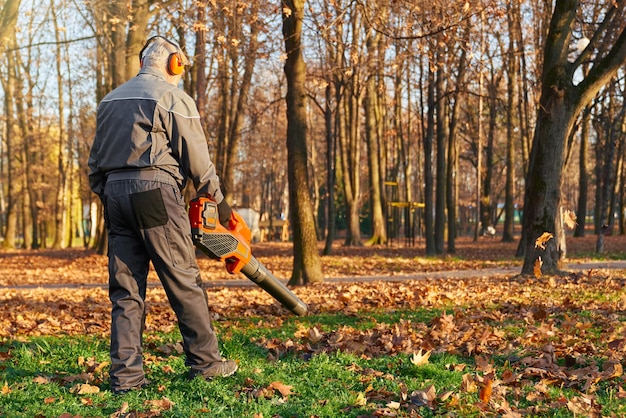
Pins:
x: 40, y: 375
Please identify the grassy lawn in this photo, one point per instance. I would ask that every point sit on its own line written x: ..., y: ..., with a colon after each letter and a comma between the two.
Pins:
x: 369, y: 363
x: 505, y: 346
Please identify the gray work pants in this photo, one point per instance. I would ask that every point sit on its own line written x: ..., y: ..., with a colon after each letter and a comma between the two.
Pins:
x: 147, y: 222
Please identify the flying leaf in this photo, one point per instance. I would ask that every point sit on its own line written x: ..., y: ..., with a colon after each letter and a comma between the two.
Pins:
x: 569, y: 218
x: 314, y: 335
x: 537, y: 267
x: 541, y: 241
x: 420, y: 359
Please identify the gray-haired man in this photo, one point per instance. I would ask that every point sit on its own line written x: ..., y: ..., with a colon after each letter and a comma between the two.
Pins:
x: 149, y: 142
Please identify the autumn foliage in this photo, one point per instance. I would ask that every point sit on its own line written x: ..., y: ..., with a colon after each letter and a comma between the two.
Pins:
x: 521, y: 336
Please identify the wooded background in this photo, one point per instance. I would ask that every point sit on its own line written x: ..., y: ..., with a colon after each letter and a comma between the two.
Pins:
x: 417, y: 112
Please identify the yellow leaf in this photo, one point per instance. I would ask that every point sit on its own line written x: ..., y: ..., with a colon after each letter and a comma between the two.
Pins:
x: 420, y: 359
x: 5, y: 389
x: 569, y: 218
x: 541, y: 241
x: 360, y: 400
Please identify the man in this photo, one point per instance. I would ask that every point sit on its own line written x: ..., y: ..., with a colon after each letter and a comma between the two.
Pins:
x: 148, y: 143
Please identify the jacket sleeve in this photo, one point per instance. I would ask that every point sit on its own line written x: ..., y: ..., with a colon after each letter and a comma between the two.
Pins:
x: 190, y: 147
x: 97, y: 177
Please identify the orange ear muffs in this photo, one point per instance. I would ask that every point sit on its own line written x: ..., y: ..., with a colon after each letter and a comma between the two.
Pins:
x: 175, y: 63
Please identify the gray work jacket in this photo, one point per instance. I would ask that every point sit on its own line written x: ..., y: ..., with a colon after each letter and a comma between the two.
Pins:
x: 150, y: 123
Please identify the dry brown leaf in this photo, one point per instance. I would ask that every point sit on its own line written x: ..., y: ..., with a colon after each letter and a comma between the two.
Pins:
x: 285, y: 390
x: 157, y: 405
x: 120, y: 412
x: 393, y: 405
x: 468, y: 384
x: 42, y: 380
x: 84, y: 389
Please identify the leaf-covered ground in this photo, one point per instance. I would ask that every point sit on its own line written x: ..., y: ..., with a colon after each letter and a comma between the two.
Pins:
x: 550, y: 332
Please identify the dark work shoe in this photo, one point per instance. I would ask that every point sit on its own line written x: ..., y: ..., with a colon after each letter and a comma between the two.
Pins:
x: 120, y: 391
x: 222, y: 368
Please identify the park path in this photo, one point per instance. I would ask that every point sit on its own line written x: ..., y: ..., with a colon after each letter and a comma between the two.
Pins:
x: 445, y: 274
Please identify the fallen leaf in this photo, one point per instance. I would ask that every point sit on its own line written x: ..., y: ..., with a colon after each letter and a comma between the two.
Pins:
x: 420, y: 359
x: 120, y: 412
x: 361, y: 399
x: 285, y: 390
x: 393, y: 405
x: 157, y: 405
x: 84, y: 389
x: 485, y: 391
x: 468, y: 384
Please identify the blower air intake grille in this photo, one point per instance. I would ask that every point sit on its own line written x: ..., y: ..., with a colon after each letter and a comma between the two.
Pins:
x: 219, y: 244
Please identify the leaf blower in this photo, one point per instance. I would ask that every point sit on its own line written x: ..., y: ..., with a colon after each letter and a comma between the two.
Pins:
x: 233, y: 247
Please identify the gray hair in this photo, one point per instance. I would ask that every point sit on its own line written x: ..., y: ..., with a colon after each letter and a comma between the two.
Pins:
x: 158, y: 51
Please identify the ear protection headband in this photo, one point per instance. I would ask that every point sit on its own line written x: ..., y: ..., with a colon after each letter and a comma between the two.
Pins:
x: 175, y: 64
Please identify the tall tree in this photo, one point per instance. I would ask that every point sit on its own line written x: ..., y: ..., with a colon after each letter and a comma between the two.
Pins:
x: 307, y: 266
x: 560, y: 104
x: 372, y: 138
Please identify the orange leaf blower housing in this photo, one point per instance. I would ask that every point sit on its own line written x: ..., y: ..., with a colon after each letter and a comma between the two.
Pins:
x: 233, y: 247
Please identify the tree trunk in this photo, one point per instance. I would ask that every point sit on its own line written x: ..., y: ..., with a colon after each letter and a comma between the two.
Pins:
x: 560, y: 103
x: 453, y: 154
x: 379, y: 234
x: 440, y: 158
x: 428, y: 165
x: 330, y: 168
x: 117, y: 29
x: 60, y: 206
x: 583, y: 184
x: 307, y: 264
x: 512, y: 95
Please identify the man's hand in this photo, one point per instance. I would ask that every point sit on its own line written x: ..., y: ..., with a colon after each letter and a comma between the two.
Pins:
x: 225, y: 212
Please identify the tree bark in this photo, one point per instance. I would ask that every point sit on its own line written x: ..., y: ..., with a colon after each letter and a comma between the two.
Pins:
x: 379, y: 234
x: 307, y: 264
x: 428, y: 165
x: 560, y: 103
